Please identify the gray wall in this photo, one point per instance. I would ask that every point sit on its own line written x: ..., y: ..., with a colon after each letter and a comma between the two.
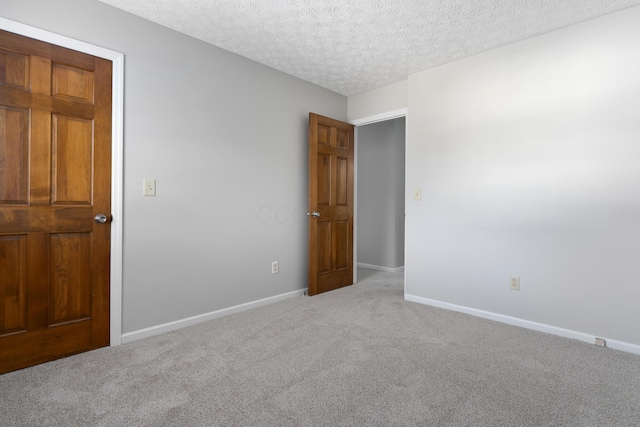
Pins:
x: 528, y: 157
x: 381, y: 167
x: 225, y: 138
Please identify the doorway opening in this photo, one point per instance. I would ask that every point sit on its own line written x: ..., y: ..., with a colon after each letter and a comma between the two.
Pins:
x: 379, y: 218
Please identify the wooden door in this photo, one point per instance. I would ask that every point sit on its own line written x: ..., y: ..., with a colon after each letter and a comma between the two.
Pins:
x: 55, y: 177
x: 331, y: 156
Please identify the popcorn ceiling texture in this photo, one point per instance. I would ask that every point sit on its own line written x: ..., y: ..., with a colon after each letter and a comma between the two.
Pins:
x: 353, y: 46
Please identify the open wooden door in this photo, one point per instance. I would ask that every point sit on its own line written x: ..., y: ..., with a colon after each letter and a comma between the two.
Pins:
x: 331, y: 160
x: 55, y: 201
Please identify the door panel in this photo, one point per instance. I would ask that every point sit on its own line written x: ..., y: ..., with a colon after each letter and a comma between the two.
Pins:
x: 343, y: 138
x: 342, y: 182
x: 72, y: 83
x: 324, y: 247
x: 72, y: 160
x: 55, y: 175
x: 14, y: 69
x: 13, y: 302
x: 324, y: 180
x: 331, y: 156
x: 70, y: 271
x: 14, y: 178
x: 343, y: 242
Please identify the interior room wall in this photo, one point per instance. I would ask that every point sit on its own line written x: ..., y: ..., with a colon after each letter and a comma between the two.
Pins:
x: 382, y: 100
x: 527, y: 157
x: 381, y: 166
x: 225, y: 139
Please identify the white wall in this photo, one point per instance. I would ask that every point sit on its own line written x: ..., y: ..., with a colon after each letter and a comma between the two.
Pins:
x: 528, y: 157
x: 380, y: 219
x: 225, y: 138
x: 378, y: 101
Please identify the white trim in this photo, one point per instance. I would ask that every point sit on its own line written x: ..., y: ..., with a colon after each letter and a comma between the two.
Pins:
x: 179, y: 324
x: 117, y: 138
x: 540, y: 327
x: 623, y: 346
x: 355, y: 205
x: 380, y: 117
x: 381, y: 268
x: 117, y: 197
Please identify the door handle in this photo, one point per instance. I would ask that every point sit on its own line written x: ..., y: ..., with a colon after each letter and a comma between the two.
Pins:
x: 101, y: 218
x: 314, y: 214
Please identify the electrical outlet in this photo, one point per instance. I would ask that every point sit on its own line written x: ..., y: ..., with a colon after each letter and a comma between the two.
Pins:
x: 514, y: 283
x: 274, y: 267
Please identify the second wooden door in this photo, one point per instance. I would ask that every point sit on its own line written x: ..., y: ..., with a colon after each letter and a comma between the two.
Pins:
x: 331, y: 174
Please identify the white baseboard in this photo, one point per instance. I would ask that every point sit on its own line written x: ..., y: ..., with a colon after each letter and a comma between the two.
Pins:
x: 178, y: 324
x: 380, y: 268
x: 540, y: 327
x: 623, y: 346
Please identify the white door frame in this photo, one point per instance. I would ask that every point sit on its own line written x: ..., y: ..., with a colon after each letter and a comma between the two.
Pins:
x: 390, y: 115
x: 117, y: 108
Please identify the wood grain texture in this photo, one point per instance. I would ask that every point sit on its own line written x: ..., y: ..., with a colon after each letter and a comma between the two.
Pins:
x: 69, y: 295
x: 14, y: 69
x: 72, y: 162
x: 331, y: 157
x: 13, y: 284
x: 72, y: 83
x: 59, y: 180
x: 14, y: 155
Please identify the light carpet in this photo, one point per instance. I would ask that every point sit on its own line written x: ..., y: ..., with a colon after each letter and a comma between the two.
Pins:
x: 357, y: 356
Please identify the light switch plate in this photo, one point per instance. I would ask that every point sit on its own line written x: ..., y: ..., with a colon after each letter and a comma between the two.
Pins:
x: 149, y: 187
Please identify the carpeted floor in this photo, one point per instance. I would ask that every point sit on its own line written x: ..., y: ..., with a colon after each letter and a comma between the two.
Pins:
x: 357, y: 356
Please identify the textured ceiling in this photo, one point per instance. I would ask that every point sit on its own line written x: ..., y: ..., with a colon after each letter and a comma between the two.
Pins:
x: 352, y: 46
